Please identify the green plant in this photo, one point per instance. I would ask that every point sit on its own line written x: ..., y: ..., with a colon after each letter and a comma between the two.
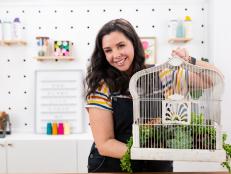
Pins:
x: 181, y: 140
x: 196, y: 94
x: 227, y: 148
x: 125, y: 162
x: 146, y: 132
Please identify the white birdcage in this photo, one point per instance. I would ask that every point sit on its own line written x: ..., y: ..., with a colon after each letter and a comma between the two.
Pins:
x: 176, y: 113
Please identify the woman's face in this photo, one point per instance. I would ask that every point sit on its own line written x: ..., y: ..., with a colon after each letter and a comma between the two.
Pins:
x: 119, y: 50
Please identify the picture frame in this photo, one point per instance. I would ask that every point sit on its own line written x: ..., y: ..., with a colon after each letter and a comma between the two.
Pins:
x: 149, y: 45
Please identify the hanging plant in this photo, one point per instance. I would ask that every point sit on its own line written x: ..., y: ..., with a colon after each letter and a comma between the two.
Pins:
x: 125, y: 162
x: 227, y: 148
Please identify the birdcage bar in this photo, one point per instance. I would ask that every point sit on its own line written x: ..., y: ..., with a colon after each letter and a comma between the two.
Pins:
x: 177, y: 112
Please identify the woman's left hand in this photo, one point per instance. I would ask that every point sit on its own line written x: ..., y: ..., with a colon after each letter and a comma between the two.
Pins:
x: 181, y: 53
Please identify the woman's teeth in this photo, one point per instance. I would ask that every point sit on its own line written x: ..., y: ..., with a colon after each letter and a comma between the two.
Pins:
x: 120, y: 62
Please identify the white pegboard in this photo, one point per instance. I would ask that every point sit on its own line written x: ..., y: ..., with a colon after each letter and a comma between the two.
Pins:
x: 79, y: 22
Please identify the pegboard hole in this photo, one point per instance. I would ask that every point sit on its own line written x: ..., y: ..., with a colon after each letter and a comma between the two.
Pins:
x: 23, y: 27
x: 88, y: 27
x: 202, y: 25
x: 186, y: 9
x: 39, y: 11
x: 104, y: 10
x: 55, y: 11
x: 24, y: 60
x: 9, y: 92
x: 169, y: 9
x: 137, y: 26
x: 56, y: 27
x: 88, y: 11
x: 202, y: 42
x: 88, y: 43
x: 72, y: 11
x: 39, y: 28
x: 25, y: 108
x: 137, y: 10
x: 25, y: 92
x: 72, y: 27
x: 153, y: 26
x: 8, y: 76
x: 7, y: 11
x: 202, y: 9
x: 9, y: 108
x: 120, y: 10
x: 8, y: 60
x: 24, y: 76
x: 23, y: 11
x: 25, y: 124
x: 153, y: 9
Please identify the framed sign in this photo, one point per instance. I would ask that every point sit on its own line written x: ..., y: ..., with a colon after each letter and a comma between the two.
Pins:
x: 59, y: 99
x: 149, y: 45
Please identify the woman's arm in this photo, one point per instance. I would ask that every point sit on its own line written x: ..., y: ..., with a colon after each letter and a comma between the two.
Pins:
x: 197, y: 80
x: 101, y: 122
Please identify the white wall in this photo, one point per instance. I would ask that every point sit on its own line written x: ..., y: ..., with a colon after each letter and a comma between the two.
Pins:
x: 220, y: 35
x: 217, y: 31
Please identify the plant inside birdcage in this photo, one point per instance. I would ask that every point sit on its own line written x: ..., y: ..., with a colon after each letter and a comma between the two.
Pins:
x: 200, y: 134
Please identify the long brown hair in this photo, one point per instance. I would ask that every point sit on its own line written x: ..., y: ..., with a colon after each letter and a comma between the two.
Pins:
x: 100, y: 69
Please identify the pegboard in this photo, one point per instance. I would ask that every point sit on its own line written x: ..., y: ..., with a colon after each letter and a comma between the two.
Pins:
x: 79, y: 22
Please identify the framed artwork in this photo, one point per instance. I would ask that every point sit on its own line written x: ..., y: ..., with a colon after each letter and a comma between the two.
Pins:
x: 149, y: 45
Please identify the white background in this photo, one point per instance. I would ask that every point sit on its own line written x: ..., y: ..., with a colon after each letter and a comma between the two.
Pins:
x: 79, y: 21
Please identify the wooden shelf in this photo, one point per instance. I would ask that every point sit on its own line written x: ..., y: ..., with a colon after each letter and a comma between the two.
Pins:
x: 12, y: 42
x: 179, y: 40
x: 43, y: 58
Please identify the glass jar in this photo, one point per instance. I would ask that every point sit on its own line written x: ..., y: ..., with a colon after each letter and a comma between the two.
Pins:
x: 43, y: 45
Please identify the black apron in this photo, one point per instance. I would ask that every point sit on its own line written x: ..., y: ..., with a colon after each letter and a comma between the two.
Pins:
x: 123, y: 120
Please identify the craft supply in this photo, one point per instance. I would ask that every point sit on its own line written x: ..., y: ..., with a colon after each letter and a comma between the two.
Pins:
x: 172, y: 28
x: 54, y: 129
x: 180, y: 30
x: 7, y: 30
x: 60, y: 129
x: 66, y: 129
x: 62, y: 48
x: 1, y: 32
x: 43, y: 45
x: 49, y: 129
x: 188, y: 27
x: 17, y: 33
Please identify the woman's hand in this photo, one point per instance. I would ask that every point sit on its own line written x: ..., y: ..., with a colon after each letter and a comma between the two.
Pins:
x: 181, y: 53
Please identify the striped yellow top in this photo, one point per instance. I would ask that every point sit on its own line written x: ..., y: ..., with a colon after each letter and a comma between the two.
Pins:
x: 101, y: 98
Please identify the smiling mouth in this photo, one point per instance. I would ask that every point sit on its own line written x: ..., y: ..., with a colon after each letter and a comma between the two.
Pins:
x: 120, y: 62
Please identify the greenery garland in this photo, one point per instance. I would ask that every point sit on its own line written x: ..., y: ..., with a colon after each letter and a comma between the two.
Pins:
x: 227, y: 148
x: 125, y: 162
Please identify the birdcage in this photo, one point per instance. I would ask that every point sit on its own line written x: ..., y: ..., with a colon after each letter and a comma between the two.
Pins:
x: 177, y: 113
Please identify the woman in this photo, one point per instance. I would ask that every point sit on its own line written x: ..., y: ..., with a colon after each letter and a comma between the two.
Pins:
x: 117, y: 55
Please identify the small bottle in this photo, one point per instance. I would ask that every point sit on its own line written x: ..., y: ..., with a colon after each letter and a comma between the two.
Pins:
x: 17, y: 33
x: 66, y: 129
x: 172, y: 28
x: 49, y: 129
x: 188, y: 27
x: 1, y: 33
x: 60, y: 129
x: 54, y: 128
x: 180, y: 30
x: 7, y: 30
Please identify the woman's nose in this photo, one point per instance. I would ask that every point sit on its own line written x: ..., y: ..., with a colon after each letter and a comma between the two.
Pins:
x: 116, y: 54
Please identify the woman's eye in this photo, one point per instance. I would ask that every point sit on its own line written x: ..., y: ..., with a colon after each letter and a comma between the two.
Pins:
x: 107, y: 51
x: 121, y: 46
